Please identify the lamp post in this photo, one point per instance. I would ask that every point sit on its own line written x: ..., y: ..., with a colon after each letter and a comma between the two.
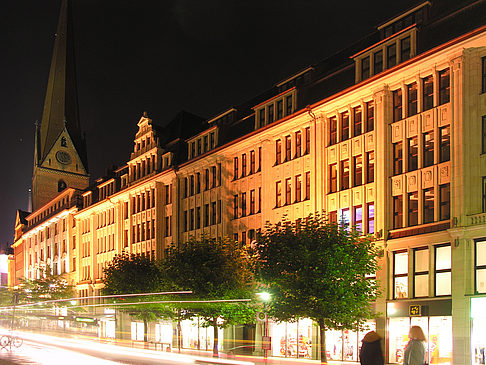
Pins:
x: 265, y: 297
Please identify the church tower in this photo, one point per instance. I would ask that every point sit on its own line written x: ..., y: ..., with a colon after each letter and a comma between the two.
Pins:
x: 60, y: 158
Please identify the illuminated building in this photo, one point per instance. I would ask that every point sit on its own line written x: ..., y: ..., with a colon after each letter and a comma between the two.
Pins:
x: 388, y: 133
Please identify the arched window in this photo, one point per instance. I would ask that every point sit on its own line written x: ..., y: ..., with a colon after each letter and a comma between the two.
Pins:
x: 61, y: 185
x: 63, y: 142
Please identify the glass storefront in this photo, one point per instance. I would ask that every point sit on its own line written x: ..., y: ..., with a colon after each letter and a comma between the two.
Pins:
x: 478, y: 331
x: 193, y: 335
x: 437, y: 330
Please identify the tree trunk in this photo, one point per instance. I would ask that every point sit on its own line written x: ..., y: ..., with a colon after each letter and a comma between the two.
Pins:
x: 322, y: 341
x: 145, y: 334
x: 215, y: 342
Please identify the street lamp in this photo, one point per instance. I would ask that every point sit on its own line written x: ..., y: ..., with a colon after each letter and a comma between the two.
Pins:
x: 265, y: 297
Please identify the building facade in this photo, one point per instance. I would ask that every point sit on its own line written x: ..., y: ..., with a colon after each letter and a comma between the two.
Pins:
x: 388, y: 134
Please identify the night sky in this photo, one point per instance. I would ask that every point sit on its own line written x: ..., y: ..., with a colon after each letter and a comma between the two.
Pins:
x: 163, y: 56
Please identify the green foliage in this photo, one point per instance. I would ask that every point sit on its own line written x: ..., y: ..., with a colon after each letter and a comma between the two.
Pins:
x: 47, y: 287
x: 317, y: 269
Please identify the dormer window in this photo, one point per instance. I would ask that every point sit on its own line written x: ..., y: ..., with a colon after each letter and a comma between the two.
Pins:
x: 275, y: 109
x: 202, y: 143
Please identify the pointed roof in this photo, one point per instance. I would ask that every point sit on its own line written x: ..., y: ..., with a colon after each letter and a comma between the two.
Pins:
x: 61, y: 102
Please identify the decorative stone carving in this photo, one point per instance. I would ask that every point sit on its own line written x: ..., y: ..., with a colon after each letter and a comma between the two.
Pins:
x: 331, y: 154
x: 397, y: 185
x: 332, y: 203
x: 344, y: 199
x: 344, y: 151
x: 445, y: 173
x: 370, y: 194
x: 428, y: 120
x: 428, y: 177
x: 397, y: 132
x: 357, y: 143
x: 357, y: 197
x: 412, y: 182
x: 444, y: 114
x: 412, y: 126
x: 370, y: 141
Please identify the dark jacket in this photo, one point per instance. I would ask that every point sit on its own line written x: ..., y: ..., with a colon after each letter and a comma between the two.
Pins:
x: 370, y: 353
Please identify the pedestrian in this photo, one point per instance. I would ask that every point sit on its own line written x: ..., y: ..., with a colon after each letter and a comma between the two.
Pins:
x: 414, y: 353
x: 370, y: 353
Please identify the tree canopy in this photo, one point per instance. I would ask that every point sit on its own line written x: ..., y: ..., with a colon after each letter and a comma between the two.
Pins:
x: 320, y: 270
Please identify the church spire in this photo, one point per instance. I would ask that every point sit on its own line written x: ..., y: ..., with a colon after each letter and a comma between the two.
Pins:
x: 60, y: 149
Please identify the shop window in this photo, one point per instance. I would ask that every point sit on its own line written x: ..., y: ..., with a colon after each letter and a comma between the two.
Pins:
x: 365, y: 68
x: 370, y: 116
x: 346, y: 217
x: 397, y: 212
x: 288, y: 148
x: 243, y: 165
x: 480, y: 266
x: 442, y: 270
x: 391, y: 55
x: 412, y: 99
x: 444, y: 86
x: 288, y: 191
x: 358, y: 218
x: 298, y: 188
x: 413, y: 209
x: 428, y: 205
x: 370, y: 166
x: 428, y: 93
x: 298, y: 144
x: 428, y: 149
x: 358, y: 170
x: 137, y: 331
x: 371, y: 217
x: 235, y: 168
x: 333, y: 130
x: 344, y: 126
x: 377, y: 62
x: 344, y: 174
x: 278, y: 152
x: 397, y: 105
x: 400, y: 275
x: 444, y: 202
x: 357, y: 120
x: 397, y: 158
x: 278, y: 194
x: 445, y: 143
x: 421, y: 272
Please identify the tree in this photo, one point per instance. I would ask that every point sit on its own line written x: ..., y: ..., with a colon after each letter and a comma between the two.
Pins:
x: 213, y: 270
x: 48, y: 287
x: 318, y: 269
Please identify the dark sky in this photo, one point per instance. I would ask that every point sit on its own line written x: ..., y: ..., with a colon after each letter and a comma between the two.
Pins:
x: 161, y: 56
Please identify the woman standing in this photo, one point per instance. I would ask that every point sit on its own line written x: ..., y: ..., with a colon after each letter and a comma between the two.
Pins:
x: 370, y: 353
x: 415, y: 350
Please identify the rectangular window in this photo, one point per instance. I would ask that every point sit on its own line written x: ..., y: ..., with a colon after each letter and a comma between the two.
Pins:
x: 371, y: 217
x: 391, y: 55
x: 235, y: 168
x: 288, y: 148
x: 333, y: 178
x: 205, y: 144
x: 206, y: 215
x: 365, y: 68
x: 428, y: 93
x: 370, y: 116
x: 428, y: 205
x: 344, y: 174
x: 213, y: 212
x: 288, y: 191
x: 442, y: 270
x: 420, y: 272
x: 261, y: 117
x: 243, y: 165
x: 186, y: 226
x: 307, y: 185
x: 213, y: 174
x: 445, y: 143
x: 483, y: 75
x: 206, y: 179
x: 167, y: 227
x: 412, y: 154
x: 480, y: 266
x: 377, y: 62
x: 307, y: 140
x: 484, y: 194
x: 259, y: 199
x: 252, y: 202
x: 243, y: 204
x: 358, y: 218
x: 428, y: 149
x: 358, y: 170
x: 397, y: 105
x: 259, y: 158
x: 235, y: 206
x: 198, y: 182
x: 278, y: 151
x: 405, y: 49
x: 278, y: 194
x: 191, y: 219
x: 344, y: 126
x: 412, y: 99
x: 412, y: 209
x: 333, y: 130
x: 270, y: 114
x: 298, y: 144
x: 357, y: 127
x: 444, y: 86
x: 298, y: 188
x: 280, y: 109
x: 212, y: 140
x: 199, y: 147
x: 397, y: 158
x: 400, y: 275
x: 252, y: 162
x: 397, y: 212
x: 444, y: 202
x: 288, y: 105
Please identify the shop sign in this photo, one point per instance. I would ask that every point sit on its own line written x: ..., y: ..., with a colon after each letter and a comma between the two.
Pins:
x: 415, y: 310
x: 266, y: 343
x: 85, y: 320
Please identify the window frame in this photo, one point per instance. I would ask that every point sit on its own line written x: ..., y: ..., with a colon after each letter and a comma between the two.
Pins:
x: 420, y: 273
x: 441, y: 271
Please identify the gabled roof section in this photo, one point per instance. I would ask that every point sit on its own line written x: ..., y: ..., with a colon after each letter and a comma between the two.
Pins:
x: 61, y: 103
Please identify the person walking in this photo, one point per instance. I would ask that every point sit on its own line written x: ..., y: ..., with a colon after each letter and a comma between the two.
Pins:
x: 370, y: 353
x: 414, y: 353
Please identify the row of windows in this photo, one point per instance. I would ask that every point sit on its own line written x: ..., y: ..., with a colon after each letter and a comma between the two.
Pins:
x: 63, y: 202
x: 298, y: 195
x: 143, y: 231
x: 246, y: 237
x: 143, y: 201
x: 202, y: 145
x: 106, y: 218
x: 420, y: 270
x: 40, y: 236
x: 192, y: 184
x: 424, y: 202
x: 483, y: 75
x: 106, y: 243
x: 414, y: 160
x: 299, y: 149
x: 357, y: 178
x: 244, y: 168
x: 240, y: 204
x: 107, y: 190
x: 355, y: 127
x: 143, y: 168
x: 362, y: 221
x: 276, y: 110
x: 212, y: 215
x: 405, y: 101
x: 144, y: 142
x: 85, y: 249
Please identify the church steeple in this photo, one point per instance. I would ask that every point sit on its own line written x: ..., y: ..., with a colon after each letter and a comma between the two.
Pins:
x: 60, y: 158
